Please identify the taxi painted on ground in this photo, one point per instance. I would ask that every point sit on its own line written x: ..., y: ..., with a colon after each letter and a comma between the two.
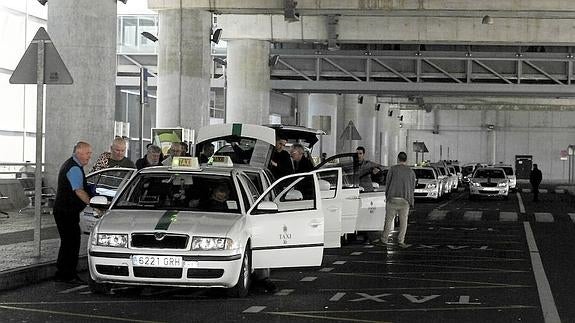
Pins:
x: 488, y: 182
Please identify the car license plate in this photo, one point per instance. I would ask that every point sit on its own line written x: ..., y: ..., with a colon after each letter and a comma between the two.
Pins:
x: 157, y: 261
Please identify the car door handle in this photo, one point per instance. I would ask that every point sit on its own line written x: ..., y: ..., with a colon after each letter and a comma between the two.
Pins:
x: 333, y: 209
x: 315, y: 224
x: 352, y: 198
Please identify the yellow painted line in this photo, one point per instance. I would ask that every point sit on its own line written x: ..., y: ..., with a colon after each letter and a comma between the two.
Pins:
x: 468, y: 308
x: 326, y: 318
x: 111, y: 318
x: 487, y: 270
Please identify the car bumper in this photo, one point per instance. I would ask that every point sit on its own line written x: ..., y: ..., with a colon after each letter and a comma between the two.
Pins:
x: 489, y: 191
x: 195, y: 271
x: 426, y: 193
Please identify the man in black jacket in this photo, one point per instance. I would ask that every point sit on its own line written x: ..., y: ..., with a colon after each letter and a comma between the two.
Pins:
x: 535, y: 179
x: 72, y: 196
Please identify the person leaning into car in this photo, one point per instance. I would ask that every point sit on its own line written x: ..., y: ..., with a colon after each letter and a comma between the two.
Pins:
x: 72, y: 196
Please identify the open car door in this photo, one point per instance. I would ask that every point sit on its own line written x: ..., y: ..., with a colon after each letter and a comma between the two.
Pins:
x: 330, y: 183
x: 287, y: 224
x: 350, y: 189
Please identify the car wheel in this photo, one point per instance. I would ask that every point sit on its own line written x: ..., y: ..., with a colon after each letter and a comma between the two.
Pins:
x: 99, y: 288
x: 242, y: 287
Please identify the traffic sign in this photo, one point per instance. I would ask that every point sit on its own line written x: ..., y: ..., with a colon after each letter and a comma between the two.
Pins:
x: 55, y: 71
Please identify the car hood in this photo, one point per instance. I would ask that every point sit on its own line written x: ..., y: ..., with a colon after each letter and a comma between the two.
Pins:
x: 489, y: 180
x: 426, y: 181
x: 198, y: 223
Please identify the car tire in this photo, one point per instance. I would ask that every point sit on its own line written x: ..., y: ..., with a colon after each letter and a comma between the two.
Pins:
x: 99, y: 288
x: 242, y: 287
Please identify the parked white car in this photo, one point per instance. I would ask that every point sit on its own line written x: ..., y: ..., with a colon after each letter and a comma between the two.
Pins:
x: 488, y: 182
x: 428, y: 183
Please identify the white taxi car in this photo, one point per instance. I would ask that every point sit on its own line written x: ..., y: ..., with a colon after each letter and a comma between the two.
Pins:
x: 428, y: 183
x: 508, y: 169
x: 488, y: 182
x: 104, y: 182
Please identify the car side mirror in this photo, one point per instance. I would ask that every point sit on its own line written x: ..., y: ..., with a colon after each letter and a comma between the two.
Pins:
x: 294, y: 195
x: 267, y: 206
x: 99, y: 202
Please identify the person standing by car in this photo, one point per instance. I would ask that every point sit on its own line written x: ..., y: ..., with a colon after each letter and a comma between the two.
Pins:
x: 535, y: 179
x: 280, y: 162
x: 152, y: 158
x: 115, y: 157
x: 400, y: 185
x: 72, y: 196
x: 366, y: 169
x: 300, y: 163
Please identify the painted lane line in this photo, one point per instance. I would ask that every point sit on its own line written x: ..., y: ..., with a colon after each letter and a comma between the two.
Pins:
x: 472, y: 215
x: 73, y: 289
x: 339, y: 262
x: 86, y: 317
x: 368, y: 246
x: 356, y: 253
x: 326, y: 270
x: 550, y: 313
x: 254, y: 309
x: 559, y: 191
x: 572, y: 216
x: 308, y: 279
x: 437, y: 215
x: 526, y: 190
x: 337, y: 297
x: 543, y: 217
x: 521, y: 206
x: 284, y: 292
x: 508, y: 216
x: 543, y: 190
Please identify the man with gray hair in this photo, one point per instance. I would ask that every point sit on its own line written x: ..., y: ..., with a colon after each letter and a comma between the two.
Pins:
x: 400, y: 185
x: 115, y: 157
x: 152, y: 158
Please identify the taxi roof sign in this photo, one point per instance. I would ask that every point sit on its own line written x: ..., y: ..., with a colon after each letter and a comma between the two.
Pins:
x: 190, y: 163
x: 222, y: 161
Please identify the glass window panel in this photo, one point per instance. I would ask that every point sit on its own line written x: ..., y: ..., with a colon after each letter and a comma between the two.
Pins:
x: 12, y: 100
x: 11, y: 36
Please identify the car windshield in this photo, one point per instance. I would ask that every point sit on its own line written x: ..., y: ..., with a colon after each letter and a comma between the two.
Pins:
x: 424, y: 173
x: 180, y: 191
x: 489, y: 173
x: 508, y: 170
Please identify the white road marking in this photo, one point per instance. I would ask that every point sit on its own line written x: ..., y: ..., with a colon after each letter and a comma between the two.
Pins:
x: 543, y: 190
x: 337, y: 297
x: 73, y: 289
x: 472, y: 215
x: 543, y: 217
x: 508, y: 216
x: 254, y: 309
x: 550, y: 313
x: 437, y: 215
x: 559, y: 191
x: 521, y: 206
x: 572, y: 216
x: 356, y: 253
x: 526, y: 190
x: 339, y: 262
x: 284, y: 292
x: 326, y: 270
x: 308, y: 279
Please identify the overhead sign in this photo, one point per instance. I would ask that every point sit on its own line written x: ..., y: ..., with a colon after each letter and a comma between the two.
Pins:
x: 55, y: 71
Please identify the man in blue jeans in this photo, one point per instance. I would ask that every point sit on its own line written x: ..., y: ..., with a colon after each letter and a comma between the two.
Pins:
x: 400, y: 185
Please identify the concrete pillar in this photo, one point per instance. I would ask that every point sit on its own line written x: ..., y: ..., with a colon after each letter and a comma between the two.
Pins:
x: 322, y: 114
x: 184, y: 60
x: 302, y: 109
x: 84, y: 32
x: 361, y: 110
x: 248, y: 81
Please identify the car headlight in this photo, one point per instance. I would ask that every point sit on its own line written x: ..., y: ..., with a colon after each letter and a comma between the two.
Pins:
x: 474, y: 184
x: 431, y: 185
x: 112, y: 240
x: 502, y: 184
x: 212, y: 243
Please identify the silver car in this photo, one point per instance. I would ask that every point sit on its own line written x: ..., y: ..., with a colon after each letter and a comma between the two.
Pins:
x: 488, y: 182
x: 428, y: 183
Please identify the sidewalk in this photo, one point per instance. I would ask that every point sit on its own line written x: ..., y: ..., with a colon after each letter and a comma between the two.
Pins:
x: 18, y: 264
